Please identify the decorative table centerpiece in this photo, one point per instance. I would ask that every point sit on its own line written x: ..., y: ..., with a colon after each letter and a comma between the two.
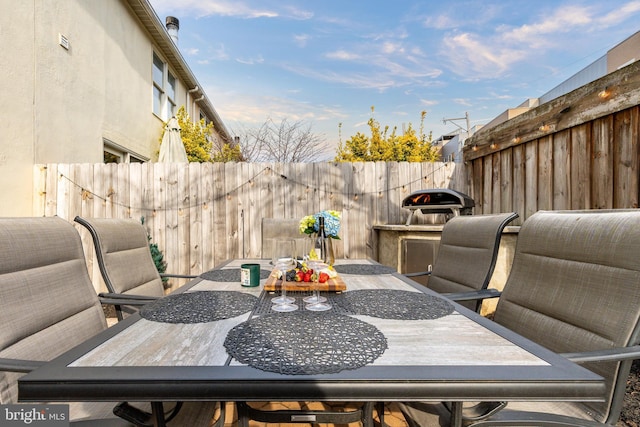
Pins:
x: 303, y: 276
x: 322, y: 225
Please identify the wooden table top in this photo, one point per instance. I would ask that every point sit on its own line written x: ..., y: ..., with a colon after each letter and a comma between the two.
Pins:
x: 460, y: 356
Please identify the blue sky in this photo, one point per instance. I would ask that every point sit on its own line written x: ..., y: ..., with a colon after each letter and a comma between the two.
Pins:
x: 328, y: 62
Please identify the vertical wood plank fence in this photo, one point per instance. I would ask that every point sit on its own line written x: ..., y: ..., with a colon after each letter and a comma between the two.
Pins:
x: 579, y: 151
x: 201, y: 214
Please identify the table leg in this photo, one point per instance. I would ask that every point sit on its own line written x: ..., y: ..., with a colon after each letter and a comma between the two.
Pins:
x: 158, y: 414
x: 456, y: 414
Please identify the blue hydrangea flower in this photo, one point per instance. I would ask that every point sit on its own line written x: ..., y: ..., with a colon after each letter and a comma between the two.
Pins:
x: 331, y: 223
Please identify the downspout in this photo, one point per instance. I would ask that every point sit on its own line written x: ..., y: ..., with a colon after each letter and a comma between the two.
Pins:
x: 195, y: 101
x: 187, y: 102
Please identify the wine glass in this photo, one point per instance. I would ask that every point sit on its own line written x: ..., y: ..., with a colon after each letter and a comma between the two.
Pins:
x: 316, y: 266
x: 284, y: 259
x: 317, y: 302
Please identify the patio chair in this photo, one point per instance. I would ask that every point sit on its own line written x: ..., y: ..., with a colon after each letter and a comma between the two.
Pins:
x: 466, y: 258
x: 278, y: 228
x: 48, y: 306
x: 124, y: 258
x: 574, y: 288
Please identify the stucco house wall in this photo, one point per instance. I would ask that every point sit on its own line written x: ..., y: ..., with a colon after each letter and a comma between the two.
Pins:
x: 62, y: 104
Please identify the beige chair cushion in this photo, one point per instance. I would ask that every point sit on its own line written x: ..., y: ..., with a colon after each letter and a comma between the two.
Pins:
x: 48, y: 306
x: 122, y: 247
x: 467, y: 253
x: 47, y: 302
x: 278, y: 228
x: 575, y: 286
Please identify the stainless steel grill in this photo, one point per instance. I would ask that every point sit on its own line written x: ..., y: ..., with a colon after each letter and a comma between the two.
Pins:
x: 438, y: 201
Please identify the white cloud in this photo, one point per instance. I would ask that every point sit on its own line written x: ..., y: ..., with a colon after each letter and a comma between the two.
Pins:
x: 246, y: 111
x: 619, y: 14
x: 299, y: 14
x: 242, y: 9
x: 498, y: 96
x: 301, y: 39
x: 202, y: 8
x: 563, y: 20
x: 462, y: 101
x: 390, y: 48
x: 428, y: 102
x: 342, y: 55
x: 220, y: 52
x: 440, y: 22
x: 251, y: 61
x: 471, y: 56
x: 477, y: 56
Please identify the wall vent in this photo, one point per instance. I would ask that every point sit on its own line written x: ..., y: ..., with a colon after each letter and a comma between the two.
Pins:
x: 63, y: 41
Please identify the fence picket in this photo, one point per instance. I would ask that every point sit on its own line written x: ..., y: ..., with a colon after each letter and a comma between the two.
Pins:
x: 202, y: 214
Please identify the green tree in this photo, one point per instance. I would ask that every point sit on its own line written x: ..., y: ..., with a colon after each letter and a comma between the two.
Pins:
x: 158, y: 256
x: 196, y: 137
x: 383, y: 145
x: 200, y: 143
x: 227, y: 153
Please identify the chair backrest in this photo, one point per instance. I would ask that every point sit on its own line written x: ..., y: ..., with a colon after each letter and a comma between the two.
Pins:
x: 575, y: 286
x: 47, y: 302
x: 467, y: 253
x: 123, y: 255
x: 275, y: 228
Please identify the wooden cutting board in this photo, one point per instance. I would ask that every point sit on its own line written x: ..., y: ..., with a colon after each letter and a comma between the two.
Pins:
x: 335, y: 284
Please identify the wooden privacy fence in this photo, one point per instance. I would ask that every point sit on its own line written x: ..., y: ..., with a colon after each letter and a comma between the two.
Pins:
x: 579, y: 151
x: 202, y: 214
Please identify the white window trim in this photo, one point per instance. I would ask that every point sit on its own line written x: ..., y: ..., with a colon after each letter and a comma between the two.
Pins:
x: 121, y: 152
x: 167, y: 104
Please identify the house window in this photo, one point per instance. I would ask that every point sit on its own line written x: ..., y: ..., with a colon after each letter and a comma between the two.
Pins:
x: 171, y: 94
x: 164, y: 89
x: 115, y: 153
x: 158, y: 84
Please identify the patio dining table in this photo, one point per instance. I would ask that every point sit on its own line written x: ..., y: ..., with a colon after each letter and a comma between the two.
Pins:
x: 386, y: 339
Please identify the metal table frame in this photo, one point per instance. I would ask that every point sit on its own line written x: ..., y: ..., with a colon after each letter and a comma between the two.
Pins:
x: 560, y: 380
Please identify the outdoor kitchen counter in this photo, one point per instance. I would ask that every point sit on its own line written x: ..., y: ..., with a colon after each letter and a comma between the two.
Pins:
x: 411, y: 248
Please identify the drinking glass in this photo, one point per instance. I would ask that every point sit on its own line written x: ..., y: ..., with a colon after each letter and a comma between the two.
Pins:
x: 315, y: 297
x: 284, y: 259
x: 316, y: 302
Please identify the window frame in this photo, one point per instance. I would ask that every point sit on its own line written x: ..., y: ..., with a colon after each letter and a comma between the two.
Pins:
x: 123, y: 154
x: 163, y: 93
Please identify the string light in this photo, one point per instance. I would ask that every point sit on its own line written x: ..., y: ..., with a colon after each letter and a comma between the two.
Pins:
x: 207, y: 204
x: 604, y: 94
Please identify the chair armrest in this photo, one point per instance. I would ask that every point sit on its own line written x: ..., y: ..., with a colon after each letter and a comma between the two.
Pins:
x: 417, y: 273
x: 474, y: 295
x: 178, y: 276
x: 116, y: 296
x: 611, y: 354
x: 123, y: 299
x: 19, y: 365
